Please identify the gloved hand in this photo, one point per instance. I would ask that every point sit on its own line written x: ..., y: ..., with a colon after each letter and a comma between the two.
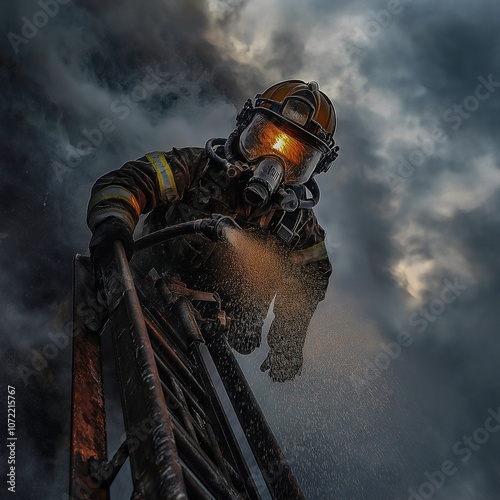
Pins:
x: 105, y: 233
x: 283, y: 365
x: 101, y: 251
x: 245, y: 331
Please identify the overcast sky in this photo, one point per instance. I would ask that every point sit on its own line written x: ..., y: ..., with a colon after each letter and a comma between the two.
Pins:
x: 400, y: 378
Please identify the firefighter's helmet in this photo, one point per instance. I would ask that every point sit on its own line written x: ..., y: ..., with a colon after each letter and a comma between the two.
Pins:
x: 294, y: 121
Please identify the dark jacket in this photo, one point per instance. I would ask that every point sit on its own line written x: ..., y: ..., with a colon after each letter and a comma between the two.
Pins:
x: 183, y: 184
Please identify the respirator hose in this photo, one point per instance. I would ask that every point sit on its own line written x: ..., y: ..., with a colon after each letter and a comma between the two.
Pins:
x: 209, y: 149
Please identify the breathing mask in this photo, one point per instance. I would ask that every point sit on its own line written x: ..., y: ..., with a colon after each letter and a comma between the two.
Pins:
x: 282, y: 142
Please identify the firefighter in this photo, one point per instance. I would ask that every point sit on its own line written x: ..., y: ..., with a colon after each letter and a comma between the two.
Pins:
x: 262, y: 175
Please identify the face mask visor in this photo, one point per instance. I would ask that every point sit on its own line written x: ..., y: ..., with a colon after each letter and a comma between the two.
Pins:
x: 268, y: 136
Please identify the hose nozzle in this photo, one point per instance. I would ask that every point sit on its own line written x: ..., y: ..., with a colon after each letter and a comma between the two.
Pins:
x: 216, y: 227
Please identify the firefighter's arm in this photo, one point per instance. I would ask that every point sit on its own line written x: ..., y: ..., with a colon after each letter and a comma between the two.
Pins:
x: 303, y: 287
x: 120, y: 196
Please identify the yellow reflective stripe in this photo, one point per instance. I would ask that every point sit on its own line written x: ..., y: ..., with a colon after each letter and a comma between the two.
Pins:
x: 321, y: 244
x: 311, y: 254
x: 168, y: 189
x: 116, y: 193
x: 99, y: 215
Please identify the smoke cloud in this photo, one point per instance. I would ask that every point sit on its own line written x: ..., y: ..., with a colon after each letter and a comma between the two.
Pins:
x: 411, y: 208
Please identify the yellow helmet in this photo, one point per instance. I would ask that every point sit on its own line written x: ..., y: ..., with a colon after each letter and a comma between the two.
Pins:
x: 295, y: 121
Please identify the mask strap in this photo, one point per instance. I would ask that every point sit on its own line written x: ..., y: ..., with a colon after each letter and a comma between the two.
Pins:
x: 313, y: 188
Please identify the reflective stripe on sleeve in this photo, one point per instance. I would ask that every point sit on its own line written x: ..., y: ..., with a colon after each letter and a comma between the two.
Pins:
x: 115, y: 192
x: 311, y: 254
x: 99, y: 215
x: 168, y: 189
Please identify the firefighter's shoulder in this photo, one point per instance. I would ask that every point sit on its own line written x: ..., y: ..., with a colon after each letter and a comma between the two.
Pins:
x: 176, y: 169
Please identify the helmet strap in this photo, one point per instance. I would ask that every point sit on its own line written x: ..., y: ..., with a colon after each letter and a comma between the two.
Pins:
x: 245, y: 115
x: 326, y: 161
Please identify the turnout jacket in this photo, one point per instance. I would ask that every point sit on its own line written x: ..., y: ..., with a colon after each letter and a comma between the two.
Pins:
x: 184, y: 184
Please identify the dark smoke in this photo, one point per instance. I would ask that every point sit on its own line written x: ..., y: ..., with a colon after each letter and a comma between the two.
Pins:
x: 99, y: 83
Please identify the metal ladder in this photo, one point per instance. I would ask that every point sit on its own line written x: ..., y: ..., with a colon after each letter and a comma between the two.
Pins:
x: 194, y: 428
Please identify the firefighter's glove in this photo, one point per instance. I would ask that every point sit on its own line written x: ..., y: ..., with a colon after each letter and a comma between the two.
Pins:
x: 101, y: 251
x: 283, y: 364
x: 105, y: 233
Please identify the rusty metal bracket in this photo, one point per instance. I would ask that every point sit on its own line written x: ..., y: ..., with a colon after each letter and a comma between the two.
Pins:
x: 107, y: 471
x: 171, y: 288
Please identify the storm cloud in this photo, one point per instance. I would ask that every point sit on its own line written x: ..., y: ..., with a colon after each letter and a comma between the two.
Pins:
x: 411, y: 209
